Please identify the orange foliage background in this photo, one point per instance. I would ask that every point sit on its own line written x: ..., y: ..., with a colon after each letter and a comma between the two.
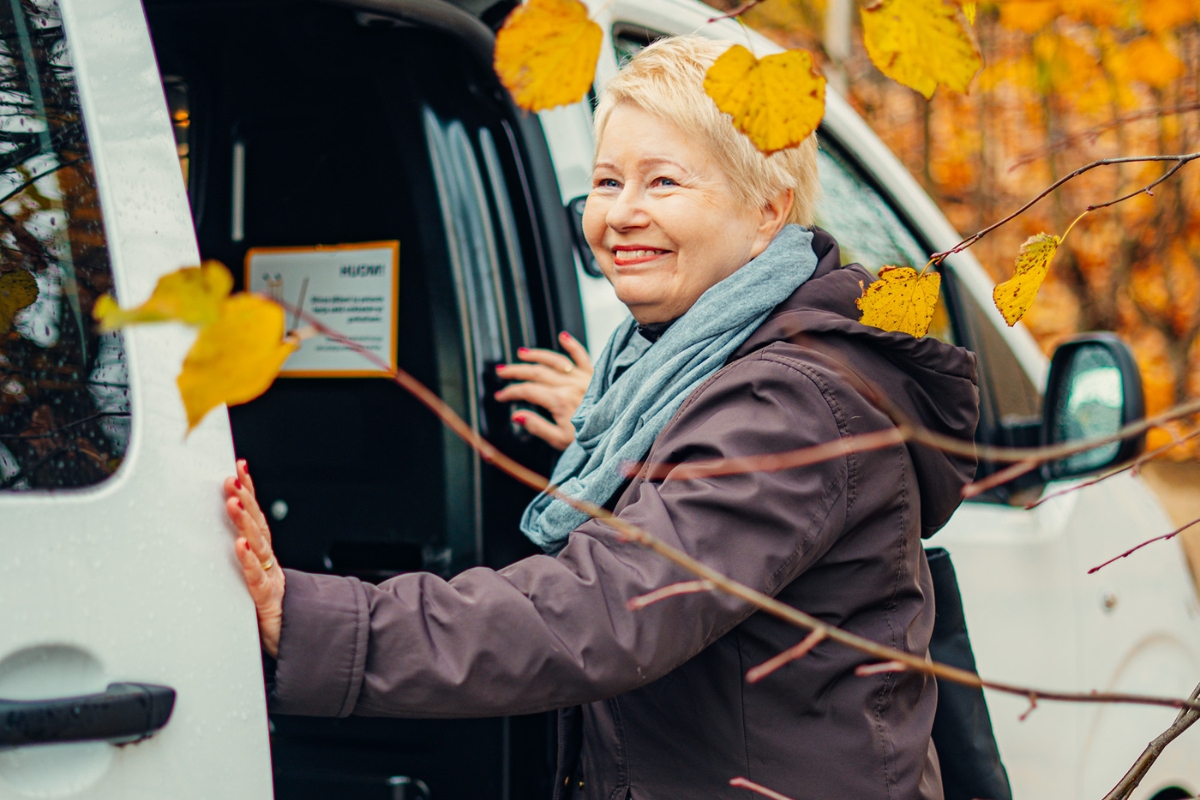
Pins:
x: 1065, y: 82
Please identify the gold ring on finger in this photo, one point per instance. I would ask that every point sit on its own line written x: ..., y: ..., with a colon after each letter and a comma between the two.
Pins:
x: 266, y: 565
x: 567, y: 370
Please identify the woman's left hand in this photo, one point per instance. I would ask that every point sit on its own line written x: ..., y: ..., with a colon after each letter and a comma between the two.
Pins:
x: 263, y: 575
x: 553, y: 381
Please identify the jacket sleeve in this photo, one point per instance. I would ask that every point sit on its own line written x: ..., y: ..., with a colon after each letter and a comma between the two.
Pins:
x: 548, y: 632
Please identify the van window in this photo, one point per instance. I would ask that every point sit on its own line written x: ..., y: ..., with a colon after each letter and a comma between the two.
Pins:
x: 867, y: 229
x: 64, y: 395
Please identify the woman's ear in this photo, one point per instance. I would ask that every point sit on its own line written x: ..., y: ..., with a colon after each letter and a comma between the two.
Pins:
x: 773, y: 216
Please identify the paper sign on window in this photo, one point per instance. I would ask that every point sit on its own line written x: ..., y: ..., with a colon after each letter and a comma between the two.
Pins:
x: 351, y: 288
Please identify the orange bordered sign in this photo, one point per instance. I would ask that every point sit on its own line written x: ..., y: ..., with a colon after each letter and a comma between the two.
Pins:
x: 351, y: 288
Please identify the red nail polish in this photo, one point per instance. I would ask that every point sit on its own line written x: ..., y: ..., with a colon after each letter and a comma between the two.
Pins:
x: 501, y: 366
x: 519, y: 419
x: 522, y: 349
x: 238, y: 484
x: 242, y: 507
x: 564, y: 335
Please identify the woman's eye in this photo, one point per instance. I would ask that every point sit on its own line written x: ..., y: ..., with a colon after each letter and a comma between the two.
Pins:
x: 665, y: 182
x: 607, y: 183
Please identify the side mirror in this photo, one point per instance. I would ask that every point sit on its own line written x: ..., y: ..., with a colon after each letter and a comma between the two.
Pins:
x: 575, y: 208
x: 1094, y: 389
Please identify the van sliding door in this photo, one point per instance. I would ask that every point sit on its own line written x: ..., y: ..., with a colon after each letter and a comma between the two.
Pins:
x: 310, y: 124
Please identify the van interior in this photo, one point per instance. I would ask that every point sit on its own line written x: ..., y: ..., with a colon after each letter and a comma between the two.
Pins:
x: 309, y: 123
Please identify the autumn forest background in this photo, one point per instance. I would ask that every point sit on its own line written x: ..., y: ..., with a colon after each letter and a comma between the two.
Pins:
x: 1065, y: 82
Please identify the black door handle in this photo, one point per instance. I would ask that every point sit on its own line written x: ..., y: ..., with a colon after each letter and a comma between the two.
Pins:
x: 123, y: 713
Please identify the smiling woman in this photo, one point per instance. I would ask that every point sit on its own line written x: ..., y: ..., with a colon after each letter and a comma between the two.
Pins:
x: 742, y: 328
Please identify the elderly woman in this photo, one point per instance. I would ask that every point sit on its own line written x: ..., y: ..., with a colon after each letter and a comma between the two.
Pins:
x: 742, y: 333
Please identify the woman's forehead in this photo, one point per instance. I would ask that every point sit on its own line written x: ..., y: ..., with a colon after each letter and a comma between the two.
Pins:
x: 633, y: 137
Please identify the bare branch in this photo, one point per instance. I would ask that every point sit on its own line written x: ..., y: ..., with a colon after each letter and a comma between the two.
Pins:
x: 786, y: 657
x: 1134, y: 464
x: 1180, y: 161
x: 905, y: 431
x: 674, y: 590
x: 1091, y: 134
x: 1135, y: 548
x: 999, y: 478
x: 1033, y: 698
x: 737, y: 12
x: 745, y: 783
x: 867, y: 670
x: 1133, y: 777
x: 636, y: 535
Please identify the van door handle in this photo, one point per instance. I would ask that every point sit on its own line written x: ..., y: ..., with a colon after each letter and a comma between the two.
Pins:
x: 123, y: 713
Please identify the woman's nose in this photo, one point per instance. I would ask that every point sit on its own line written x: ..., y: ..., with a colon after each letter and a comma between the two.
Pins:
x: 627, y: 210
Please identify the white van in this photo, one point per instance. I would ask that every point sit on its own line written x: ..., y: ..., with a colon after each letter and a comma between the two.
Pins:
x: 129, y: 660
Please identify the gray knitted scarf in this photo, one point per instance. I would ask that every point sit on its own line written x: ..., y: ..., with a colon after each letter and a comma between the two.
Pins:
x: 638, y: 385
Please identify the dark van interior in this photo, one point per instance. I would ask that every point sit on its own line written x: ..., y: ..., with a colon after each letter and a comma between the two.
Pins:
x: 306, y: 123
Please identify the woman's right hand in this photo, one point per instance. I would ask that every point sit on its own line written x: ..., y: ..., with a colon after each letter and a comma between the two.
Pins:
x: 554, y: 381
x: 264, y: 576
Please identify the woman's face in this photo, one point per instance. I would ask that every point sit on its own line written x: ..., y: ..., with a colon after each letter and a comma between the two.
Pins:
x: 662, y: 217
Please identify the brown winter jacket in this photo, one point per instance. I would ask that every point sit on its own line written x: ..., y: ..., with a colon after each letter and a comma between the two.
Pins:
x: 657, y: 707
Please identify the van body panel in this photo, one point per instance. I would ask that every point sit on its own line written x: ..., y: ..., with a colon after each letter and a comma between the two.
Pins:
x: 1036, y: 617
x: 134, y: 579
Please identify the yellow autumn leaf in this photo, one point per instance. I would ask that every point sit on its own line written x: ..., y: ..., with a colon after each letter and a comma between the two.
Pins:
x: 921, y: 44
x: 901, y: 300
x: 234, y: 359
x: 18, y: 290
x: 970, y: 8
x: 192, y: 295
x: 1014, y: 297
x: 776, y: 101
x: 546, y: 53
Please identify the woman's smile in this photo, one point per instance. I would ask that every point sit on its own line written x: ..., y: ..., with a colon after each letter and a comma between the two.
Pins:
x: 634, y: 255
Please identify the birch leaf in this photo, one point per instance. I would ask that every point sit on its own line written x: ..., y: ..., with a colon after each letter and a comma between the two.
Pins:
x: 776, y: 101
x: 921, y: 44
x: 192, y: 295
x: 1014, y: 297
x: 546, y: 53
x: 234, y: 359
x: 970, y: 8
x: 18, y: 290
x: 901, y: 300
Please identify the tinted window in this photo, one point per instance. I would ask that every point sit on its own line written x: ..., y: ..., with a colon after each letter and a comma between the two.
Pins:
x: 868, y: 231
x: 64, y: 403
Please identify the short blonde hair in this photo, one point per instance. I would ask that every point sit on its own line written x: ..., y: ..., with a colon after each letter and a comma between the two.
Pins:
x: 667, y: 79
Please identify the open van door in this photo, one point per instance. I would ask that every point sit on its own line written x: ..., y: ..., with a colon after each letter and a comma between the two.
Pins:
x: 323, y: 132
x: 129, y: 656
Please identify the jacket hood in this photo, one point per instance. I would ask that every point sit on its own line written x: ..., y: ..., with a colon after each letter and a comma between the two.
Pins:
x: 931, y: 382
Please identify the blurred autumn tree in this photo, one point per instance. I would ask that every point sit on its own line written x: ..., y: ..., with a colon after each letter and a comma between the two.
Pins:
x: 1065, y: 82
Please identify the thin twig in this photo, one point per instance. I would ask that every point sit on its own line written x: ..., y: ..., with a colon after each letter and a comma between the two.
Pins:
x: 674, y: 590
x: 1133, y: 777
x: 999, y: 478
x: 1135, y: 548
x: 866, y: 670
x: 1180, y: 160
x: 1067, y: 141
x: 746, y: 783
x: 905, y: 431
x: 737, y: 12
x: 23, y: 186
x: 786, y: 657
x: 633, y: 534
x: 1134, y: 464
